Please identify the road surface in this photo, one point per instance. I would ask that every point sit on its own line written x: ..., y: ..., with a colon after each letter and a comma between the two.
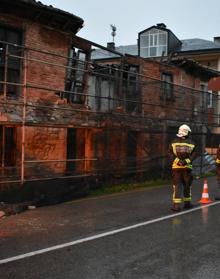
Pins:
x: 132, y: 235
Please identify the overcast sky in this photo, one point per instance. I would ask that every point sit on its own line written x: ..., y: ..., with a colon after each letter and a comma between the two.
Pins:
x: 186, y: 19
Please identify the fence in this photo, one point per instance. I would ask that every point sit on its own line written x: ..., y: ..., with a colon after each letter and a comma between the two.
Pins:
x: 69, y: 117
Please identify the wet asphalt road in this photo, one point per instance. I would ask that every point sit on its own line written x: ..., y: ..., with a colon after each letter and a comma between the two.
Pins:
x: 179, y: 246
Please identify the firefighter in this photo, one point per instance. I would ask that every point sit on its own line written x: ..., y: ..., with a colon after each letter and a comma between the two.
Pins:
x: 218, y: 170
x: 182, y: 151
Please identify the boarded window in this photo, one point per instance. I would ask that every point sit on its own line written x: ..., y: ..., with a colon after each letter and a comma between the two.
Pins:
x: 75, y: 150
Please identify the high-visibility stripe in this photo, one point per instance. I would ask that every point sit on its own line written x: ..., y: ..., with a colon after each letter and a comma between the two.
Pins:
x: 187, y: 199
x: 176, y: 200
x: 176, y: 166
x: 192, y: 146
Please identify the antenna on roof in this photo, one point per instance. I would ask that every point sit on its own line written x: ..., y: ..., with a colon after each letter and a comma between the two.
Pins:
x: 113, y: 27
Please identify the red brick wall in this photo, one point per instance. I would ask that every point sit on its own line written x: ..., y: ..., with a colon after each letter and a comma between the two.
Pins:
x: 42, y: 143
x: 45, y: 144
x: 46, y: 70
x: 184, y: 99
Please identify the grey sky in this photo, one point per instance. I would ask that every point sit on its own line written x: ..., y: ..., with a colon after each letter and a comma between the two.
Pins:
x: 187, y: 19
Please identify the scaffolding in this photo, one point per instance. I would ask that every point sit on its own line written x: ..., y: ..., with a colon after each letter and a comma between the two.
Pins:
x: 107, y: 103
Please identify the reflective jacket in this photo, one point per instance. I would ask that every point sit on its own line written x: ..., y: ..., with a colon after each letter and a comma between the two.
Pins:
x: 218, y: 157
x: 182, y: 152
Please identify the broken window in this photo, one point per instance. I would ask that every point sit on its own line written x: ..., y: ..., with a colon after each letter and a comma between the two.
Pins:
x: 8, y: 146
x: 103, y: 86
x: 10, y: 61
x: 167, y: 87
x: 131, y: 88
x: 113, y: 87
x: 71, y: 149
x: 75, y: 150
x: 76, y: 76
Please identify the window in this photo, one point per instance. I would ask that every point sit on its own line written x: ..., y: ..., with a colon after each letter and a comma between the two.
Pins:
x: 167, y: 86
x: 10, y: 67
x: 75, y: 76
x: 7, y: 146
x: 204, y: 95
x: 209, y: 99
x: 153, y: 43
x: 131, y: 88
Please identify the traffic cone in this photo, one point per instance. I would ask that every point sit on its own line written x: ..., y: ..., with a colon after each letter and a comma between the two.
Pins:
x: 205, y: 193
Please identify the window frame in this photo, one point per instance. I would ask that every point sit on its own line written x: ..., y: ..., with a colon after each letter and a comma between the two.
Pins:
x: 151, y: 40
x: 8, y: 139
x: 14, y: 65
x: 75, y: 76
x: 167, y: 86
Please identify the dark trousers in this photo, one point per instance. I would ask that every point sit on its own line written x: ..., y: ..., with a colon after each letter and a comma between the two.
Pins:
x: 218, y: 175
x: 182, y: 180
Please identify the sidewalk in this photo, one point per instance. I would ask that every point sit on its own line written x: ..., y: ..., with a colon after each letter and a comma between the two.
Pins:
x: 11, y: 209
x: 49, y: 225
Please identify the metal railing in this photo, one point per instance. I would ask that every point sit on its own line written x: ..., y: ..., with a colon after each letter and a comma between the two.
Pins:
x: 106, y: 96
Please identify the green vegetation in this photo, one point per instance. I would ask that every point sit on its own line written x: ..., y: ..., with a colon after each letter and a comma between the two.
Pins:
x: 111, y: 189
x: 105, y: 190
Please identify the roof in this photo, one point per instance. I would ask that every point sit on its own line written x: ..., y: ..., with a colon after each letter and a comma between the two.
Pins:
x: 48, y: 7
x: 198, y: 45
x: 195, y: 68
x: 162, y: 27
x: 36, y: 10
x: 103, y: 54
x: 189, y: 45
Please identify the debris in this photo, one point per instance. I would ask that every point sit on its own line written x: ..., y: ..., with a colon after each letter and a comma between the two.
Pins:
x: 31, y: 207
x: 2, y: 214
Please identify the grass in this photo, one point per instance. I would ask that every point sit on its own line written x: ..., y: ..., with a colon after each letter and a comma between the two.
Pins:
x: 208, y: 174
x: 112, y: 189
x: 106, y: 190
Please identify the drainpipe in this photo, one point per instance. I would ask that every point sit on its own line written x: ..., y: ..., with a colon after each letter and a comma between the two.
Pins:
x: 5, y: 99
x: 24, y: 116
x: 5, y: 73
x: 3, y: 146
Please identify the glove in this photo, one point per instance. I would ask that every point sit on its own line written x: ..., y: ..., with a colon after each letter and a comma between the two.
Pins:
x: 188, y: 161
x: 181, y: 162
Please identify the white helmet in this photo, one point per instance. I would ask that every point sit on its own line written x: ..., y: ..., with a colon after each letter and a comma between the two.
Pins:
x: 183, y: 131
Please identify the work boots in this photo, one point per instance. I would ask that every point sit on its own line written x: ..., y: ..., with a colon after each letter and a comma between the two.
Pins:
x: 188, y: 205
x: 176, y: 207
x: 217, y: 197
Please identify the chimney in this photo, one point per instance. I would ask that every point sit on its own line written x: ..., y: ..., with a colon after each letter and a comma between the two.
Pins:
x: 216, y: 39
x: 161, y: 25
x: 111, y: 45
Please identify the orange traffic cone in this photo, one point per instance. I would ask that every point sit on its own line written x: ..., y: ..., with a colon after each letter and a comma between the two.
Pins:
x: 205, y: 193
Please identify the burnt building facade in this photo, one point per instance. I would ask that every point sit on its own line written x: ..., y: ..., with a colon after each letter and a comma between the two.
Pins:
x: 75, y: 114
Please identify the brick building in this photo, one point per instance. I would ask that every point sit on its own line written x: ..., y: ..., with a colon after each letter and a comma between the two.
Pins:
x: 71, y: 118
